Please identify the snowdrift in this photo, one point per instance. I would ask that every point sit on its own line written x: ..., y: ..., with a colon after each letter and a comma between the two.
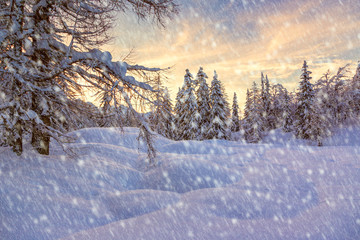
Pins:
x: 282, y: 189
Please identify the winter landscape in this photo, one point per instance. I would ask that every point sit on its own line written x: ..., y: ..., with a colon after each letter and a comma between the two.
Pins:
x: 96, y: 146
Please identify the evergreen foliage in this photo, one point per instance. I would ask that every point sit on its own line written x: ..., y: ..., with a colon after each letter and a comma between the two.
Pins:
x: 287, y: 125
x: 162, y: 118
x: 187, y: 115
x: 253, y: 121
x: 235, y: 120
x: 218, y: 127
x: 269, y: 120
x: 355, y: 92
x: 305, y: 98
x: 203, y: 102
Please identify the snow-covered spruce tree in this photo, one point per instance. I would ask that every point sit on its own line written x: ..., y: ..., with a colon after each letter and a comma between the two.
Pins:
x: 355, y: 92
x: 305, y: 97
x: 246, y: 126
x: 269, y: 121
x: 227, y: 108
x: 42, y: 68
x: 187, y: 115
x: 320, y: 124
x: 235, y: 120
x: 162, y: 119
x: 177, y: 112
x: 288, y: 116
x: 278, y: 106
x: 203, y: 101
x: 331, y: 97
x: 253, y: 121
x: 154, y: 117
x: 218, y: 127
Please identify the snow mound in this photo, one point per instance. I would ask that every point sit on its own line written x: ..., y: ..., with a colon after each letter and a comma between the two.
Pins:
x: 269, y: 192
x: 349, y: 136
x: 184, y: 175
x: 113, y: 136
x: 196, y: 147
x: 138, y: 202
x: 197, y: 190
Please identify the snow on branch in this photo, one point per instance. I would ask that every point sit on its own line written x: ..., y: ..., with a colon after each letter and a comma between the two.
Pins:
x: 118, y: 69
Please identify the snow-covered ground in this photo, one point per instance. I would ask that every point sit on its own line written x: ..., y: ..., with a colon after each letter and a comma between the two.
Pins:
x: 281, y: 189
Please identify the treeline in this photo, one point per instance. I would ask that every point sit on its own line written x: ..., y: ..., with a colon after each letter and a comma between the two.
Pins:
x: 312, y: 112
x: 200, y: 112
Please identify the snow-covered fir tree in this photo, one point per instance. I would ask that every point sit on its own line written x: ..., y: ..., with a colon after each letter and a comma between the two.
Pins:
x: 156, y: 109
x: 235, y: 120
x: 320, y: 124
x: 269, y: 121
x: 218, y: 127
x: 187, y: 116
x: 303, y: 114
x: 177, y: 111
x: 331, y: 105
x: 278, y: 106
x: 253, y: 118
x: 227, y: 107
x: 162, y: 119
x: 203, y: 101
x: 355, y: 92
x: 288, y: 116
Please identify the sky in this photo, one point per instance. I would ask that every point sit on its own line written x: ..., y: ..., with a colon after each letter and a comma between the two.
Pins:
x: 242, y: 38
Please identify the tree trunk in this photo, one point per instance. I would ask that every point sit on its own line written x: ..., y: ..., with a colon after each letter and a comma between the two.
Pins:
x: 17, y: 146
x: 40, y: 140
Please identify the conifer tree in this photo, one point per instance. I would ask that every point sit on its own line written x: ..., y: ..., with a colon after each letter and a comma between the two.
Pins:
x: 235, y: 127
x: 253, y: 121
x: 247, y: 104
x: 178, y: 112
x: 320, y: 126
x: 269, y: 121
x: 303, y: 114
x: 157, y: 107
x: 218, y: 127
x: 187, y: 115
x: 287, y: 125
x: 355, y: 92
x: 162, y: 119
x: 329, y: 106
x: 203, y: 101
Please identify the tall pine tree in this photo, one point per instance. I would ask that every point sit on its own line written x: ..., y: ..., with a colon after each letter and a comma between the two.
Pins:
x: 187, y: 115
x: 218, y: 127
x: 203, y: 101
x: 355, y: 92
x: 287, y: 114
x: 253, y: 121
x: 269, y: 122
x: 303, y: 114
x: 235, y: 120
x: 162, y: 118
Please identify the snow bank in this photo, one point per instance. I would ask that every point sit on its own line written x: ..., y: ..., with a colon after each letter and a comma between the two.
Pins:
x: 184, y: 175
x: 281, y: 189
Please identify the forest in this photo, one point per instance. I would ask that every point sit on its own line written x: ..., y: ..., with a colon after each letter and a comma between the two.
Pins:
x: 92, y: 146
